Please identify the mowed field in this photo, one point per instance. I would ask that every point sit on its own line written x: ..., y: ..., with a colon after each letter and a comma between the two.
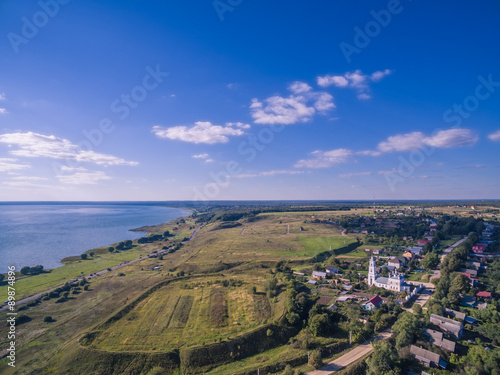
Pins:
x: 188, y: 313
x: 270, y: 238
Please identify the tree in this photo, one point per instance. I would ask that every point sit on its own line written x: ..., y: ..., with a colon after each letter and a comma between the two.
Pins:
x: 83, y: 256
x: 430, y: 261
x: 383, y: 361
x: 25, y: 270
x: 437, y: 309
x: 417, y: 309
x: 319, y: 325
x: 253, y: 289
x: 2, y: 276
x: 288, y: 370
x: 460, y: 283
x: 48, y: 319
x: 406, y: 329
x: 91, y: 254
x: 315, y: 359
x: 111, y: 249
x: 293, y: 318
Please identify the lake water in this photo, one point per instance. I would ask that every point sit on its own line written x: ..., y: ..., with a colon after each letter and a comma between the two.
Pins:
x: 32, y: 234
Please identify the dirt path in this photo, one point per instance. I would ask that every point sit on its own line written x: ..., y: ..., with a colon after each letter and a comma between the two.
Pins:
x: 243, y: 231
x: 288, y: 229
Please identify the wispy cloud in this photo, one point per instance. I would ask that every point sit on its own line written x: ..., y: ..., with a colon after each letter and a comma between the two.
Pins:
x: 300, y: 106
x: 495, y: 136
x: 83, y: 178
x: 33, y: 145
x: 202, y: 132
x: 325, y: 159
x: 357, y: 174
x: 355, y: 80
x: 9, y: 164
x: 270, y: 173
x: 416, y: 140
x: 205, y: 157
x: 2, y: 96
x: 3, y: 111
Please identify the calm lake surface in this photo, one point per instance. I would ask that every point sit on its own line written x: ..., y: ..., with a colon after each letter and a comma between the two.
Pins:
x: 32, y: 234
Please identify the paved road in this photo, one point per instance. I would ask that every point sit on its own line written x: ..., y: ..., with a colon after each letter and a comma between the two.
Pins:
x: 351, y: 356
x: 437, y: 272
x: 31, y: 298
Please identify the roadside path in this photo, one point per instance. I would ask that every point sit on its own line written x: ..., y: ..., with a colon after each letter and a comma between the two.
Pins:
x: 126, y: 263
x: 352, y: 356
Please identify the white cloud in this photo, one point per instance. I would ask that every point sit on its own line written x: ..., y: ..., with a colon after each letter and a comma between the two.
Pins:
x: 349, y: 175
x: 495, y: 136
x: 299, y: 87
x: 202, y: 132
x: 9, y: 164
x: 3, y: 111
x: 301, y: 106
x: 416, y: 140
x: 325, y: 159
x: 83, y: 178
x: 324, y: 102
x: 379, y: 75
x: 355, y: 80
x: 28, y: 178
x: 35, y: 145
x: 269, y: 173
x: 204, y: 157
x: 200, y: 156
x: 279, y: 110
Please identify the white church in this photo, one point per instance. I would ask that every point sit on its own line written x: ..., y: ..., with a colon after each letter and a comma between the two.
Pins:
x: 395, y: 281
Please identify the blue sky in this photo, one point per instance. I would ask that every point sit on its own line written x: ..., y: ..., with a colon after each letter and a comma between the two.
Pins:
x: 230, y: 99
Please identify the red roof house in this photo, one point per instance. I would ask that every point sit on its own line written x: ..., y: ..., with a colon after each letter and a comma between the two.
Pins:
x: 372, y: 303
x: 483, y: 294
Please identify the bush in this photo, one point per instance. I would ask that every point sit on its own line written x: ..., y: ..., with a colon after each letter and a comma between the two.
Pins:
x: 83, y: 256
x: 21, y: 319
x: 315, y: 359
x: 48, y: 319
x: 86, y: 287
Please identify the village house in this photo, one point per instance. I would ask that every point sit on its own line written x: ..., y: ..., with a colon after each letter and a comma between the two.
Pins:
x: 427, y: 357
x: 436, y: 338
x: 397, y: 262
x: 449, y: 325
x: 468, y: 301
x: 372, y: 303
x: 486, y: 295
x: 319, y: 275
x: 332, y: 270
x: 455, y: 314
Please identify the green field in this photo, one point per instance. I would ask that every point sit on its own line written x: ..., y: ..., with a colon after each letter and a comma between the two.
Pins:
x: 187, y: 313
x: 316, y: 245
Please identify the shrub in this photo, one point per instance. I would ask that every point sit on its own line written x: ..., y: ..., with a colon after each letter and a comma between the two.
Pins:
x: 83, y: 256
x: 21, y: 319
x: 86, y: 287
x: 48, y: 319
x: 315, y: 359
